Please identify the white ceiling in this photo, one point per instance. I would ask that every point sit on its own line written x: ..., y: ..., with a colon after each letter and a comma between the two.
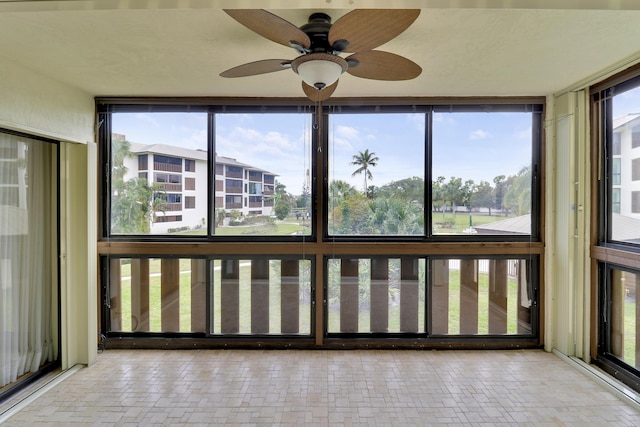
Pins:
x: 178, y: 47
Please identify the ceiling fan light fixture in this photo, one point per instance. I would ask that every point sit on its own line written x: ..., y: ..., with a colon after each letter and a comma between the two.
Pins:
x: 319, y: 70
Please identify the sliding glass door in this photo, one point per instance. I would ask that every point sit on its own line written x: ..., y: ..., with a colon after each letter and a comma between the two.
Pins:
x: 28, y: 257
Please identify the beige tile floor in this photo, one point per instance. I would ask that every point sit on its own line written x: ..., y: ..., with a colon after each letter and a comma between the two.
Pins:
x: 289, y: 387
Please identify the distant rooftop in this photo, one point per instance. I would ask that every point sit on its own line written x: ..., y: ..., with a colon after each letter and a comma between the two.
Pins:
x: 623, y: 120
x: 625, y: 228
x: 516, y: 225
x: 185, y: 153
x: 168, y: 150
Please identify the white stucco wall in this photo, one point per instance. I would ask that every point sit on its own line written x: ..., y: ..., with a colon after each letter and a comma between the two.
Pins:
x: 35, y: 104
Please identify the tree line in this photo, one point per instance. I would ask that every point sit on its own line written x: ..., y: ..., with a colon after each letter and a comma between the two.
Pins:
x: 398, y: 207
x: 510, y: 195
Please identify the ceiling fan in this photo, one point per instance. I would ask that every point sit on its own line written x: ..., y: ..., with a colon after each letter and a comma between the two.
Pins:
x: 320, y: 43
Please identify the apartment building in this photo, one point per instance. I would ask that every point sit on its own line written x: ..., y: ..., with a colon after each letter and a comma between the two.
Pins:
x: 244, y: 188
x: 182, y: 173
x: 625, y: 177
x: 626, y: 166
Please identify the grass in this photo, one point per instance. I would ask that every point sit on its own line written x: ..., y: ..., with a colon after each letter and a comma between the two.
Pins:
x: 244, y: 303
x: 460, y: 222
x: 280, y: 228
x: 630, y: 320
x: 483, y: 304
x: 455, y: 225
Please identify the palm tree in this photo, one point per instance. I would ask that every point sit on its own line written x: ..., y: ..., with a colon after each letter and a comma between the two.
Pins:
x: 339, y: 190
x: 120, y: 150
x: 365, y: 160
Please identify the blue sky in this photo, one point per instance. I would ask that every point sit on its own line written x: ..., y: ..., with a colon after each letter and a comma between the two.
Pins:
x: 179, y: 129
x: 626, y: 103
x: 481, y: 146
x: 475, y: 146
x: 396, y: 139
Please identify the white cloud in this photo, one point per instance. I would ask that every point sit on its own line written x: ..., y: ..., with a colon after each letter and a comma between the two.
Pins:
x: 443, y: 118
x: 524, y: 134
x: 344, y: 137
x: 347, y: 132
x: 251, y: 143
x: 276, y: 139
x: 196, y: 140
x: 149, y: 118
x: 478, y: 134
x: 417, y: 120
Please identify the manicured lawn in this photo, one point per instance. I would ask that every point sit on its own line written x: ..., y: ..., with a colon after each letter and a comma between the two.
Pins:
x: 278, y: 229
x: 460, y: 222
x: 442, y: 225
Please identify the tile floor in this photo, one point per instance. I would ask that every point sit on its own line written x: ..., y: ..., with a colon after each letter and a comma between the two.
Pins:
x: 289, y: 387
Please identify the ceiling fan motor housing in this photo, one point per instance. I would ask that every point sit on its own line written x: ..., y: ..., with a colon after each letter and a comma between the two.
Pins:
x: 318, y: 31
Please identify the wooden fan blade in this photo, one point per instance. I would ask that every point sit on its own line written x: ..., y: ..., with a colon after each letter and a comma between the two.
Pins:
x: 379, y: 65
x: 319, y: 95
x: 270, y: 26
x: 257, y: 67
x: 366, y: 29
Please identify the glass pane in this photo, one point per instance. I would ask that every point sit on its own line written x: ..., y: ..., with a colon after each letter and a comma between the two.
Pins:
x: 482, y: 173
x: 625, y: 320
x: 376, y: 174
x: 153, y: 157
x: 157, y: 295
x: 261, y: 296
x: 481, y: 297
x: 263, y: 174
x: 625, y: 168
x: 377, y: 295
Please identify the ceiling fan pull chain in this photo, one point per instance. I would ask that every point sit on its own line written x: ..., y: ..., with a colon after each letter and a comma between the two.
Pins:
x: 315, y: 115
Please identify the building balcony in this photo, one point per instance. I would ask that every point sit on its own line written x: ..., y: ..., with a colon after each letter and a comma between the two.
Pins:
x: 234, y: 175
x: 167, y: 167
x: 176, y: 188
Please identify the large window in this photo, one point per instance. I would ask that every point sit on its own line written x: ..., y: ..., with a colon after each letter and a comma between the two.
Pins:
x: 616, y: 132
x: 622, y: 160
x: 417, y: 223
x: 620, y: 340
x: 482, y: 172
x: 256, y: 148
x: 460, y: 171
x: 376, y: 174
x: 138, y: 205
